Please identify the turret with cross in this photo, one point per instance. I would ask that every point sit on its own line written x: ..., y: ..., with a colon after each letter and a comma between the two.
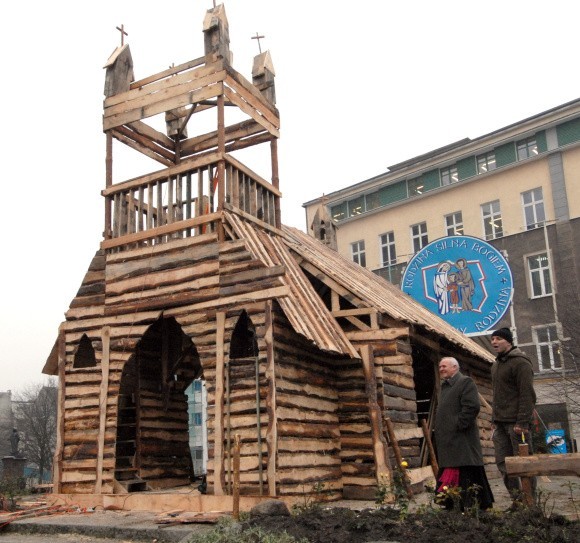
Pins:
x: 200, y: 178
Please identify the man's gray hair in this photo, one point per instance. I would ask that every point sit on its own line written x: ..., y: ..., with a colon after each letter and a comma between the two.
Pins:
x: 451, y: 360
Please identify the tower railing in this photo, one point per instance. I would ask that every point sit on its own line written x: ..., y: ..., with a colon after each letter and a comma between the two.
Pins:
x: 181, y: 201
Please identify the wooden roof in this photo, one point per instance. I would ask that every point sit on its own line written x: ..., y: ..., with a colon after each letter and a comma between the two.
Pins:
x: 303, y: 307
x: 371, y: 290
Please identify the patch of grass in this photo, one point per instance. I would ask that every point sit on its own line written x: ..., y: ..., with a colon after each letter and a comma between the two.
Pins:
x: 229, y: 531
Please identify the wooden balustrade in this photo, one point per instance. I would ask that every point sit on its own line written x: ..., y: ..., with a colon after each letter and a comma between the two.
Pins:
x: 182, y: 201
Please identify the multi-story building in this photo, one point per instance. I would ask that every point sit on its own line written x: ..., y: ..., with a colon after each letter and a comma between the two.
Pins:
x: 518, y: 188
x: 197, y: 412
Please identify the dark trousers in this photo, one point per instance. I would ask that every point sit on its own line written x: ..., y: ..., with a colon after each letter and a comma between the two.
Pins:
x: 506, y: 443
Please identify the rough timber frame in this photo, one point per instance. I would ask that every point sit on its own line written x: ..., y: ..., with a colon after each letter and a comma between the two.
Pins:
x: 189, y: 250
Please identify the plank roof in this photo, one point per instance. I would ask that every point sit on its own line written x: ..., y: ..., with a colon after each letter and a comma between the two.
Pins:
x: 376, y: 292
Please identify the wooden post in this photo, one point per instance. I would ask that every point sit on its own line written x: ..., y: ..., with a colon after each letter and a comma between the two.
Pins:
x: 103, y: 393
x: 59, y: 446
x: 236, y: 491
x: 275, y: 181
x: 272, y: 430
x: 398, y: 457
x: 221, y: 166
x: 380, y: 446
x: 432, y: 456
x: 528, y: 495
x: 218, y: 458
x: 108, y: 233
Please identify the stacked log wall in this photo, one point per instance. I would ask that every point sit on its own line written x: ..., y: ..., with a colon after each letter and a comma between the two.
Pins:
x: 240, y: 412
x: 307, y: 399
x: 395, y: 396
x: 128, y: 292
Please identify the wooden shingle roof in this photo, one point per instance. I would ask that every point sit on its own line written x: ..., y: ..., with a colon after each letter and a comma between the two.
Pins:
x: 374, y: 291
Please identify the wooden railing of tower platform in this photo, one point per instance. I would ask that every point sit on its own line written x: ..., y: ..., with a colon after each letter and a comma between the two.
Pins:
x: 181, y: 201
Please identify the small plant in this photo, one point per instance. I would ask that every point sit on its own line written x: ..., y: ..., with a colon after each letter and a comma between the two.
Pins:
x: 229, y: 531
x: 472, y: 508
x: 572, y: 487
x: 395, y: 489
x: 449, y: 497
x: 10, y: 489
x: 310, y: 500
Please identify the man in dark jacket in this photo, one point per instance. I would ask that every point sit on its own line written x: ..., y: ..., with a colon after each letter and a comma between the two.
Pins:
x: 457, y: 437
x: 514, y: 399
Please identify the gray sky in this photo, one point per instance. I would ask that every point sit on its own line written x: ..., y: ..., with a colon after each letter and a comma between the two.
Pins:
x: 360, y: 86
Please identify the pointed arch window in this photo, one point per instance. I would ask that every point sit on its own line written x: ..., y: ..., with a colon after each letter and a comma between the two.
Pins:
x: 85, y: 355
x: 244, y: 343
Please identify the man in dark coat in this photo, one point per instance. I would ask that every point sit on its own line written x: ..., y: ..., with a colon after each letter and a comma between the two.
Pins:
x: 457, y: 437
x: 514, y: 400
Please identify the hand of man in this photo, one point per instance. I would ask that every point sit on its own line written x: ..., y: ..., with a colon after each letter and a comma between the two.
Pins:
x: 519, y: 430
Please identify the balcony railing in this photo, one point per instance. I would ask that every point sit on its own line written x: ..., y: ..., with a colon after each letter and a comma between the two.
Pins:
x: 182, y: 201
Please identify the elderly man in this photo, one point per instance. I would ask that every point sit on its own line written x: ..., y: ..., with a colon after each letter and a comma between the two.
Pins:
x: 457, y: 438
x: 514, y: 399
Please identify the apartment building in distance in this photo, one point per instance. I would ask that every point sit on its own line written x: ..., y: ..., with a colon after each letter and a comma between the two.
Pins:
x: 518, y: 188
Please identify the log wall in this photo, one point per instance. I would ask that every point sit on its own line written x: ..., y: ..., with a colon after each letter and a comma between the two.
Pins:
x: 127, y: 292
x: 309, y: 440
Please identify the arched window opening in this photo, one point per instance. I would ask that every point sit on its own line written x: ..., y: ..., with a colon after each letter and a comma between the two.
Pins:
x: 85, y: 355
x: 244, y: 343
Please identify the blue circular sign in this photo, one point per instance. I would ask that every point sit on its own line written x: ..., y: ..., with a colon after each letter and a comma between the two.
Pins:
x: 464, y: 280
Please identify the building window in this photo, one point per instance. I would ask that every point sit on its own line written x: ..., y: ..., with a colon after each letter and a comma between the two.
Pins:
x: 388, y: 251
x: 486, y: 162
x: 492, y: 223
x: 358, y: 252
x: 415, y: 186
x: 419, y: 236
x: 356, y: 206
x: 527, y: 148
x: 338, y: 212
x: 533, y: 204
x: 539, y: 275
x: 547, y: 347
x: 449, y: 175
x: 454, y: 224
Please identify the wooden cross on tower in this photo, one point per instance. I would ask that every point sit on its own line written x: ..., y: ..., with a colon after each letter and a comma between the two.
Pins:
x: 123, y: 34
x: 258, y: 37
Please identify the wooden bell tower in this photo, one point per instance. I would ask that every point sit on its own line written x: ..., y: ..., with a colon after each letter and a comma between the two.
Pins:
x: 199, y: 178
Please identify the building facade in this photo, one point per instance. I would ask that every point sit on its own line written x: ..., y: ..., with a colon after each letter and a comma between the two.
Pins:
x: 518, y: 188
x: 197, y: 413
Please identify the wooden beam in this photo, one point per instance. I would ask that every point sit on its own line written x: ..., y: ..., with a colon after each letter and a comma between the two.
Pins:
x: 194, y: 163
x: 168, y: 73
x: 104, y: 388
x: 380, y: 446
x: 219, y: 473
x: 160, y: 231
x: 543, y: 464
x: 271, y: 401
x: 59, y: 446
x: 385, y: 334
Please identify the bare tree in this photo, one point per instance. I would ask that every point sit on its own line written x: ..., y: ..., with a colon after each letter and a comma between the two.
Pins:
x: 36, y: 420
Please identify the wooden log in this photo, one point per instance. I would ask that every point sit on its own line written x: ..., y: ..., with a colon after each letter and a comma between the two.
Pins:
x: 398, y: 457
x: 543, y: 464
x: 219, y: 431
x: 103, y: 408
x: 60, y: 429
x: 380, y: 447
x: 432, y: 455
x: 382, y: 334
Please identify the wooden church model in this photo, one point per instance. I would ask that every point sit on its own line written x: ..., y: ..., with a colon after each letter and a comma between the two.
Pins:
x: 305, y: 356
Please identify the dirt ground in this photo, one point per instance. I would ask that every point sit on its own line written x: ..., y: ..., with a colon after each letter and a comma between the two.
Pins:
x: 427, y: 522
